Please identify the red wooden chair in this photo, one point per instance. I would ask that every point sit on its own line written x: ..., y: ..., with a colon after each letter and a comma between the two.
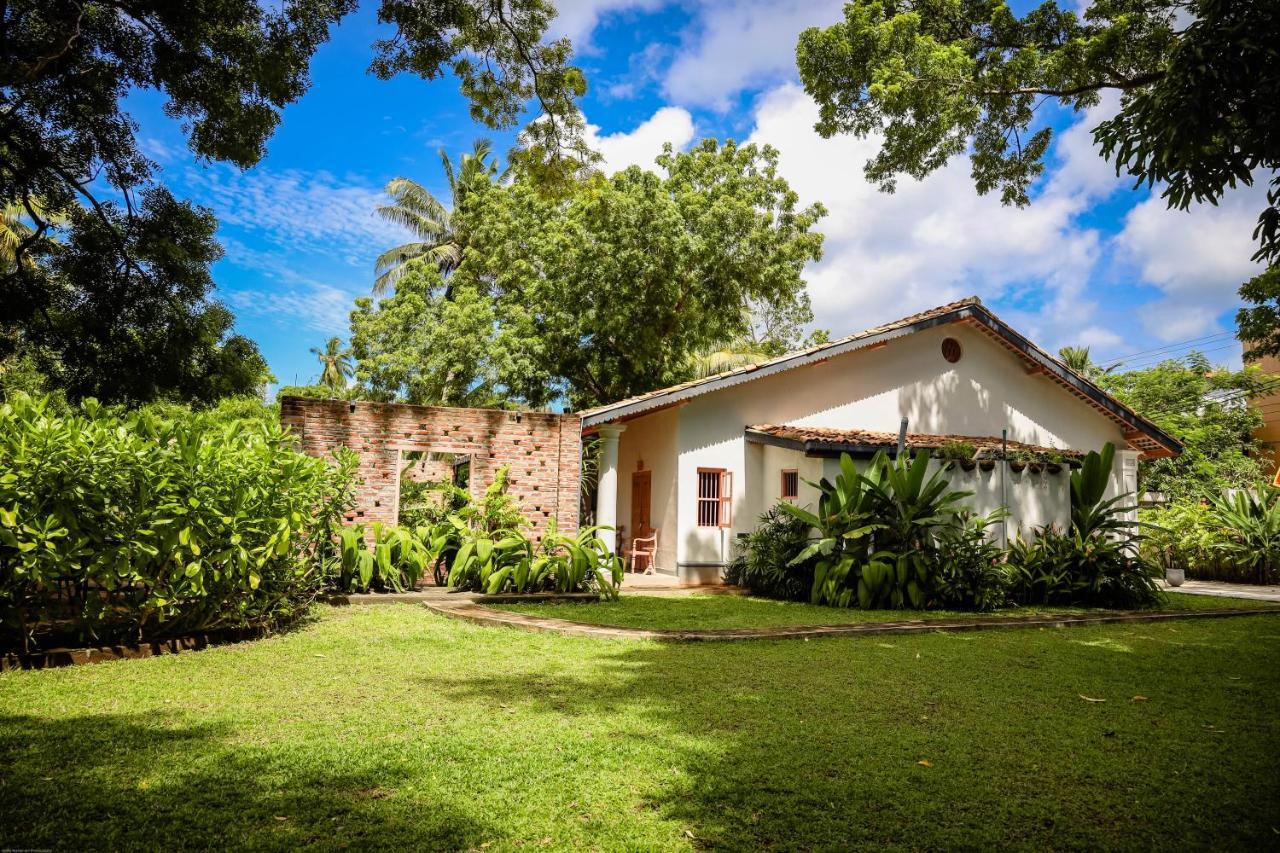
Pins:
x: 643, y: 548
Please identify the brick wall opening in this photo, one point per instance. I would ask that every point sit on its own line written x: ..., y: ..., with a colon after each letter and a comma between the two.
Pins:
x: 543, y: 451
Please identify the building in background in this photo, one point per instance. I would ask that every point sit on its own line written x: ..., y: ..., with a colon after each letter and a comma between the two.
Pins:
x: 1269, y: 405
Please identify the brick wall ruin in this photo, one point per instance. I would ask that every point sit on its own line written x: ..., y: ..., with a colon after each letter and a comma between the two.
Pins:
x: 543, y: 450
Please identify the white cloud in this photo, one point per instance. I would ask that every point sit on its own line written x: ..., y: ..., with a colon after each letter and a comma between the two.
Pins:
x: 738, y: 44
x: 1080, y: 172
x: 312, y: 306
x: 932, y: 241
x: 642, y: 145
x: 1198, y: 258
x: 577, y: 19
x: 308, y: 211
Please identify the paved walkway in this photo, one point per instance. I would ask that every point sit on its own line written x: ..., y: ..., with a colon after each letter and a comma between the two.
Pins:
x: 481, y: 615
x: 1228, y: 590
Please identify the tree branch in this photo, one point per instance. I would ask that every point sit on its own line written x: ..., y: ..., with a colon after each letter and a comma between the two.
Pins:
x: 1123, y: 84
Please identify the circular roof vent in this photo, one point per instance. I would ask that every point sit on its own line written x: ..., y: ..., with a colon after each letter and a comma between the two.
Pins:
x: 951, y: 350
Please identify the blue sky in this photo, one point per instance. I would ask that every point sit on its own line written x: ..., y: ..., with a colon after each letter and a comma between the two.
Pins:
x: 1090, y: 261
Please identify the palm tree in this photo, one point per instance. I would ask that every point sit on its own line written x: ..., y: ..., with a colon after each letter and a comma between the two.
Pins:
x: 335, y: 363
x: 14, y: 229
x: 712, y: 360
x: 441, y: 239
x: 1077, y: 358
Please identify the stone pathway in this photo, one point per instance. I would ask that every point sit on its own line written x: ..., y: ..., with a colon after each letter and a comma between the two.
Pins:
x: 480, y: 615
x: 1222, y: 589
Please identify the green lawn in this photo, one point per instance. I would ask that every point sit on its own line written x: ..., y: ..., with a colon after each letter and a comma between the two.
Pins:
x: 705, y: 612
x: 390, y: 727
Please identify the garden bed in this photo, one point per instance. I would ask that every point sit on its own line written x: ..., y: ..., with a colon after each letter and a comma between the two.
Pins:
x: 48, y: 658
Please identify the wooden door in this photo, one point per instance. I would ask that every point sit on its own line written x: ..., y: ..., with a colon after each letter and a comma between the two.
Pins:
x: 641, y: 489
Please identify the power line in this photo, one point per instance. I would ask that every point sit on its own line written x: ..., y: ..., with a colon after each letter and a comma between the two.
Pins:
x: 1145, y: 363
x: 1130, y: 356
x: 1234, y: 396
x: 1231, y: 396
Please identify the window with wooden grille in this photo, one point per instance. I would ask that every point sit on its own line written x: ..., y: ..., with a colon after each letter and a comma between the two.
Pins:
x: 715, y: 497
x: 790, y: 484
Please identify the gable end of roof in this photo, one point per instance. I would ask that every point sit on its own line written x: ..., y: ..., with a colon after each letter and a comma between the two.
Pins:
x: 1140, y: 433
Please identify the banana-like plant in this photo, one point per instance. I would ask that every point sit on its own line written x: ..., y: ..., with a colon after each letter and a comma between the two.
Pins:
x: 875, y: 532
x: 488, y: 561
x: 394, y: 561
x: 584, y: 562
x: 505, y: 561
x: 843, y: 522
x: 1251, y: 529
x: 911, y: 505
x: 1090, y: 513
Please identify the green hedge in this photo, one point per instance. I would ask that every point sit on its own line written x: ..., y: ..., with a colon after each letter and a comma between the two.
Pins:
x: 125, y: 527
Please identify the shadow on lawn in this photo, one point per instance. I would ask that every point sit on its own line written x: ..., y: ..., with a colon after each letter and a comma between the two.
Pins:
x: 772, y: 750
x: 115, y: 782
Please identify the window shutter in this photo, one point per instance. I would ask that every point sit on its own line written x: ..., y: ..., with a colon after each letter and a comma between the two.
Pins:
x: 726, y: 498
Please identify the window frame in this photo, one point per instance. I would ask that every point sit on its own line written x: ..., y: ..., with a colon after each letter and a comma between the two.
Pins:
x: 782, y: 487
x: 720, y: 505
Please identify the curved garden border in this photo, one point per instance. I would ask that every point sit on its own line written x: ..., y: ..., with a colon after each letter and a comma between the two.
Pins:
x: 480, y: 615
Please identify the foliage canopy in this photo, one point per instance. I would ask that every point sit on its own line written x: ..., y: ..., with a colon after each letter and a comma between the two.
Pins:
x: 1206, y: 408
x: 226, y: 69
x: 607, y: 292
x: 1199, y: 80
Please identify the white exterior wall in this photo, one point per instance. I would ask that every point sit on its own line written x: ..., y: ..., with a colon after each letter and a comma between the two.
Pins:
x: 986, y: 391
x: 651, y: 440
x: 1034, y: 500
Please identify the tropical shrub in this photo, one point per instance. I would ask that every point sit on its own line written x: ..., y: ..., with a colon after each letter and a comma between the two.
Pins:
x: 496, y: 510
x: 120, y: 527
x: 1099, y: 561
x: 501, y: 561
x: 1186, y: 535
x: 427, y: 502
x: 876, y: 532
x: 764, y: 561
x: 393, y: 560
x: 970, y: 572
x: 1250, y: 523
x: 910, y: 510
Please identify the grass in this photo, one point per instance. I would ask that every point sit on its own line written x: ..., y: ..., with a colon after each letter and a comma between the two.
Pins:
x: 710, y: 612
x: 389, y: 727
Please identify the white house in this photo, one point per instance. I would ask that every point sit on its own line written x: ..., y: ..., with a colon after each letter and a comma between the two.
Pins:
x: 699, y: 462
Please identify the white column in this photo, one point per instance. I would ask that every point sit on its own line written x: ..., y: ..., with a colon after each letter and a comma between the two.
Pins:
x: 607, y: 482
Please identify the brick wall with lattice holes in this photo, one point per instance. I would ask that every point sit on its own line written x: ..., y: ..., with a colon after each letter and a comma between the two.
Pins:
x: 543, y: 450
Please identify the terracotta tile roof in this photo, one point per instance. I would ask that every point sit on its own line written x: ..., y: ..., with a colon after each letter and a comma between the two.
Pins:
x: 915, y: 440
x: 795, y: 355
x: 1140, y: 433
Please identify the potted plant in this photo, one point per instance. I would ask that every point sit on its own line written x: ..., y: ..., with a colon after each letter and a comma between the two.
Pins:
x: 1053, y: 462
x: 1175, y: 577
x: 1018, y: 461
x: 958, y: 453
x: 987, y: 463
x: 1035, y: 464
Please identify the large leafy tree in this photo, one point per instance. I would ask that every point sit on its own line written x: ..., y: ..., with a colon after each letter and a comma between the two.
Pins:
x: 1259, y: 320
x: 1199, y: 83
x: 226, y: 69
x: 1205, y: 407
x: 441, y: 238
x: 771, y: 331
x: 146, y: 330
x: 607, y: 293
x: 422, y: 347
